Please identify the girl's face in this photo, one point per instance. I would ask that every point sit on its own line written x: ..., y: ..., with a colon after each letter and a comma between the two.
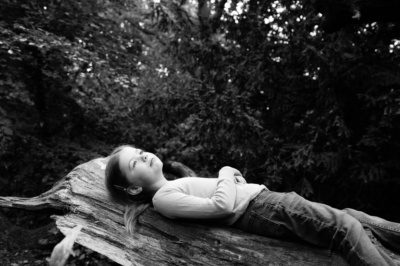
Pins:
x: 142, y: 169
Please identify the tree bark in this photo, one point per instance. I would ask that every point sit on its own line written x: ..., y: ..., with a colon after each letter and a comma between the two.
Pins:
x: 160, y: 241
x: 339, y: 13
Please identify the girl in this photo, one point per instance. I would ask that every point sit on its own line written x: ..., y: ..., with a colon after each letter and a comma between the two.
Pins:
x: 229, y: 200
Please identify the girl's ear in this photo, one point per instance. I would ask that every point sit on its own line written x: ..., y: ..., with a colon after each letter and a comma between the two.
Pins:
x: 132, y: 190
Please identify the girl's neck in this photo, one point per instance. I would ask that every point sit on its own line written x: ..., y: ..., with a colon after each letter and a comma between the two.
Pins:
x: 157, y: 185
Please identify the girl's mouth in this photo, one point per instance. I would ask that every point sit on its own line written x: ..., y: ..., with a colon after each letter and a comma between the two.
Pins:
x: 151, y: 161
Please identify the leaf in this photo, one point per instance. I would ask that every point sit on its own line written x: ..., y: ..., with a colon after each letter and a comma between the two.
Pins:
x: 7, y: 131
x: 43, y: 241
x: 348, y: 56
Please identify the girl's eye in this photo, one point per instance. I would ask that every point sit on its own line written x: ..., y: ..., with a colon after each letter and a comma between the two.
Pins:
x: 140, y: 152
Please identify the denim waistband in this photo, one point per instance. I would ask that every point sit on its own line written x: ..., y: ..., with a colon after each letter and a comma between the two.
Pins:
x: 242, y: 221
x: 258, y: 195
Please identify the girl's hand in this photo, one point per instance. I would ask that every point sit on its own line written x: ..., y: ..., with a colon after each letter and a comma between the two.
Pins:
x: 233, y: 173
x: 240, y: 179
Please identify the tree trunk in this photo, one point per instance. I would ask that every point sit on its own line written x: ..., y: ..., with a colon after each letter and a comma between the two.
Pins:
x: 339, y: 13
x: 160, y: 241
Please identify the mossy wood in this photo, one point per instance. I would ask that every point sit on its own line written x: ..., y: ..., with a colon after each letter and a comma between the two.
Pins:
x: 160, y: 241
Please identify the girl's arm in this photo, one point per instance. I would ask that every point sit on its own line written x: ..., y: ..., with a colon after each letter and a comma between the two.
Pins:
x: 175, y: 204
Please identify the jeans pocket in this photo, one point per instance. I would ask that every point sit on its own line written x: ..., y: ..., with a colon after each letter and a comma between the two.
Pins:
x: 261, y: 225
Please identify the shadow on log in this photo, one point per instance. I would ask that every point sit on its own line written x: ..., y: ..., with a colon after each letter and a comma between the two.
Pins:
x: 160, y: 241
x: 339, y: 13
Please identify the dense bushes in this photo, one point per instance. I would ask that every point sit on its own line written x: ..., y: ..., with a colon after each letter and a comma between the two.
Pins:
x: 55, y: 91
x: 291, y: 106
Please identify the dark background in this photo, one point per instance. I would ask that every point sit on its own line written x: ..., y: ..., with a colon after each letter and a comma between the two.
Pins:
x: 257, y: 86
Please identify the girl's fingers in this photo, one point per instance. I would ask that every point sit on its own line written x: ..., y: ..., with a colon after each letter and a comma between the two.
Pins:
x: 240, y: 179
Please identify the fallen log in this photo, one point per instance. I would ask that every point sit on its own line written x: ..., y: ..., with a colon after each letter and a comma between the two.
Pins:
x: 160, y: 241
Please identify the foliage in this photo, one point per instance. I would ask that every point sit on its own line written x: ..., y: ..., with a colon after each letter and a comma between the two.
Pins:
x: 54, y: 94
x: 252, y: 84
x: 293, y: 107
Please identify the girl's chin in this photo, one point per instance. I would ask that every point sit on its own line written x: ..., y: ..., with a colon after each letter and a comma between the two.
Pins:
x: 157, y: 162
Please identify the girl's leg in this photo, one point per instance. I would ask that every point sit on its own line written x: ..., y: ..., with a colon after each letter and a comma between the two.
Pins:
x: 290, y: 215
x: 388, y: 233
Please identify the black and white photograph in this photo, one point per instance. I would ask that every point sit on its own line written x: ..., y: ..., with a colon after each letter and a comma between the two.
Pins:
x: 200, y: 132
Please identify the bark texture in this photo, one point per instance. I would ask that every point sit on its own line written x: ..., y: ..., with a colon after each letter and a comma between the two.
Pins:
x: 160, y: 241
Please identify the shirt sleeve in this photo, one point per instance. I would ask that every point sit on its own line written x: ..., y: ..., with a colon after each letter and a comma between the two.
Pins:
x: 176, y: 204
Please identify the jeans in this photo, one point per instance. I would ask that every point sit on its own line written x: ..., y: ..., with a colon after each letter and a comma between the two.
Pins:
x: 288, y: 215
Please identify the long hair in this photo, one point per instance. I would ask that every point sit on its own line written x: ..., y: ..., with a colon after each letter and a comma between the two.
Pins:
x: 134, y: 205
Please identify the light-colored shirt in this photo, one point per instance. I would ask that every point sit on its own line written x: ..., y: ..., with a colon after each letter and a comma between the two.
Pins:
x: 224, y: 199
